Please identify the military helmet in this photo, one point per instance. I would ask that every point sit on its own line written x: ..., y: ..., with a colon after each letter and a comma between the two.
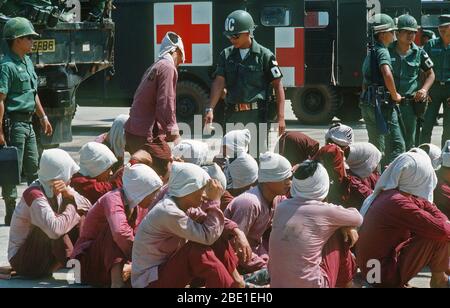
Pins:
x: 239, y: 22
x: 444, y: 20
x: 429, y: 33
x: 18, y: 27
x: 382, y: 23
x: 407, y: 22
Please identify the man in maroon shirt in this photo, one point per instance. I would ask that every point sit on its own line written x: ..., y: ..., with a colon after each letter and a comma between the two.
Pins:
x: 153, y: 112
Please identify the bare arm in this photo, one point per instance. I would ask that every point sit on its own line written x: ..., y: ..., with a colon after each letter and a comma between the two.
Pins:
x: 47, y: 127
x: 217, y: 88
x: 390, y: 83
x: 279, y: 93
x: 422, y: 94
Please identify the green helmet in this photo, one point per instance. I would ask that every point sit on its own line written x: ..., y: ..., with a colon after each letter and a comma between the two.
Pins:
x: 407, y: 22
x: 429, y: 33
x: 382, y: 23
x: 239, y: 22
x: 18, y: 27
x: 444, y: 20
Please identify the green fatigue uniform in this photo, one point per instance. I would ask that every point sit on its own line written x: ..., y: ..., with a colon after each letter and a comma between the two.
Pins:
x: 406, y: 72
x: 18, y: 81
x: 392, y: 144
x: 440, y: 92
x: 248, y: 82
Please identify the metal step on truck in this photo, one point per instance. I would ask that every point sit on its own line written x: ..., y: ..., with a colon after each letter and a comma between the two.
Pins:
x: 72, y: 47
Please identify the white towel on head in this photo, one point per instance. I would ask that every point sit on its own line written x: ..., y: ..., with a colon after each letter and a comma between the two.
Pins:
x: 139, y: 181
x: 55, y: 164
x: 446, y: 154
x: 186, y: 178
x: 243, y: 171
x: 411, y: 173
x: 216, y: 173
x: 170, y: 43
x: 116, y: 135
x: 273, y: 168
x: 315, y: 187
x: 431, y: 151
x: 237, y: 142
x: 191, y: 151
x: 340, y: 134
x: 95, y: 158
x: 363, y: 159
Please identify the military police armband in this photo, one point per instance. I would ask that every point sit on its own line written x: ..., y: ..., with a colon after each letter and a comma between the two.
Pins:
x: 275, y: 70
x: 428, y: 62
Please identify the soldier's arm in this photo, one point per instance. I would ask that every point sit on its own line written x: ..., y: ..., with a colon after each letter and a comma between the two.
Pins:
x: 217, y: 88
x: 389, y: 82
x: 43, y: 119
x: 279, y: 93
x: 428, y: 75
x: 2, y: 112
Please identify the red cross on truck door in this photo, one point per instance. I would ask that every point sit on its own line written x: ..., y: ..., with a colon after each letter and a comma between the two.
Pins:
x: 190, y: 20
x: 290, y: 54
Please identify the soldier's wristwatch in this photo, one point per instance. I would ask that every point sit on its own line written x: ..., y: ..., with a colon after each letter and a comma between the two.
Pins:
x: 209, y: 109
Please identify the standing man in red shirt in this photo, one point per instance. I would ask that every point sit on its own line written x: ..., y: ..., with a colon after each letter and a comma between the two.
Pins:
x: 153, y: 112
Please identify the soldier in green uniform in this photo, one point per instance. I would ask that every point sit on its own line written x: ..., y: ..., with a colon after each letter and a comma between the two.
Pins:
x: 439, y: 51
x: 408, y: 61
x: 248, y: 71
x: 380, y: 84
x: 19, y: 102
x: 426, y: 36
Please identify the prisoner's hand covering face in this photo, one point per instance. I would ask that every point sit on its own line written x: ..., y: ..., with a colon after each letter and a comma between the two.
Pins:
x: 363, y: 159
x: 310, y: 181
x: 139, y: 181
x: 191, y: 151
x: 116, y: 135
x: 411, y: 173
x: 185, y: 179
x: 243, y: 171
x: 433, y: 152
x: 237, y: 142
x: 216, y: 173
x: 340, y: 134
x: 446, y: 154
x: 170, y: 43
x: 273, y: 168
x: 95, y: 158
x: 55, y: 164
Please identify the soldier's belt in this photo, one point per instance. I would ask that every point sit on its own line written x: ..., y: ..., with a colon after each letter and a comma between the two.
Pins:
x: 21, y: 117
x: 443, y: 83
x: 245, y: 107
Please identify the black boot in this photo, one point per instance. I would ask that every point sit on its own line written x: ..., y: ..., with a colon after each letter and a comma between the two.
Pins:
x: 10, y: 206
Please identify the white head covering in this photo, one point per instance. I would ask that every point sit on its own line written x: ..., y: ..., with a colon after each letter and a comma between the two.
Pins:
x: 216, y: 173
x: 363, y: 159
x: 315, y: 187
x: 446, y: 154
x: 273, y: 168
x: 243, y: 171
x: 139, y: 181
x: 191, y: 151
x: 431, y: 151
x: 237, y: 142
x: 170, y: 43
x: 186, y: 178
x: 116, y: 135
x: 95, y: 158
x: 340, y: 134
x: 55, y: 164
x: 411, y: 173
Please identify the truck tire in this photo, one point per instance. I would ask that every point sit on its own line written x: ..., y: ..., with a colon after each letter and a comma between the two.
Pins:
x: 191, y: 100
x: 315, y: 104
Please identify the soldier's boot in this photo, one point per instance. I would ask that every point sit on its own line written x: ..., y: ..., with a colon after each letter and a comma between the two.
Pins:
x: 10, y: 205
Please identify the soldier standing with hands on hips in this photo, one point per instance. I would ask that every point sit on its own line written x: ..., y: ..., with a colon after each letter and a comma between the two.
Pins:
x: 248, y: 71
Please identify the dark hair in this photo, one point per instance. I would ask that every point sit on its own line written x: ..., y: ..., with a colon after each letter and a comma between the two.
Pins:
x: 10, y: 43
x: 306, y: 169
x: 425, y: 147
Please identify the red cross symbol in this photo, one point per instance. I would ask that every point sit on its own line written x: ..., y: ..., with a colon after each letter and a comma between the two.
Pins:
x: 294, y: 57
x: 183, y: 26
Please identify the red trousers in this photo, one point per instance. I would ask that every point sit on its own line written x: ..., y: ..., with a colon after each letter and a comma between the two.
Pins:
x: 212, y: 264
x: 338, y: 264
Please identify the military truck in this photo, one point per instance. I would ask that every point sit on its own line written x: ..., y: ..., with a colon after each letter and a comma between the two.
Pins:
x: 319, y: 44
x: 68, y: 51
